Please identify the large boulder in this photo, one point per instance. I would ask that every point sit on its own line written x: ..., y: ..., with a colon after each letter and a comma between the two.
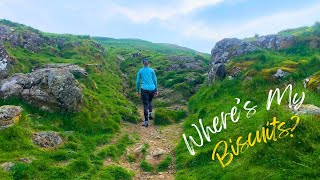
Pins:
x: 275, y: 42
x: 74, y: 69
x: 223, y: 51
x: 50, y: 89
x: 9, y: 115
x: 230, y: 47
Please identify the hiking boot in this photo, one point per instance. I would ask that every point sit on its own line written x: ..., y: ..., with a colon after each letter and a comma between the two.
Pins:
x: 150, y: 116
x: 145, y: 124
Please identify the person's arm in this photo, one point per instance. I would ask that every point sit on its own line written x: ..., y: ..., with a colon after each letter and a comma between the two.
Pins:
x: 138, y: 83
x: 154, y: 79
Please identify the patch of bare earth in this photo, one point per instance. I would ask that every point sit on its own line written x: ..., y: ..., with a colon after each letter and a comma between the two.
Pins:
x: 161, y: 141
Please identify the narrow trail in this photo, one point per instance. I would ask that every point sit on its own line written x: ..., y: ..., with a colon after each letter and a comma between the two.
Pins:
x: 163, y: 139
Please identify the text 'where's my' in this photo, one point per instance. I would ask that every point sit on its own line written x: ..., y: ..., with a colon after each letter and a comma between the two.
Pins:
x: 219, y: 123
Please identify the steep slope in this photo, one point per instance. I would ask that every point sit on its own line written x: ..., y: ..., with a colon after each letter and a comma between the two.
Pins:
x: 248, y: 70
x: 104, y: 106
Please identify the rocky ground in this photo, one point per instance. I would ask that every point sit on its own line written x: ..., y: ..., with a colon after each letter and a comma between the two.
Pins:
x: 161, y: 141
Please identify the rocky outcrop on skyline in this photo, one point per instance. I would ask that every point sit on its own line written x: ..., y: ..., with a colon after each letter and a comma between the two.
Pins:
x: 231, y: 47
x: 33, y: 41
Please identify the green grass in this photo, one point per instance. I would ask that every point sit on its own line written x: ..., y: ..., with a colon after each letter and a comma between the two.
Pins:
x: 287, y: 158
x: 159, y: 55
x: 116, y: 150
x: 110, y: 98
x: 105, y: 106
x: 165, y: 116
x: 164, y: 164
x: 145, y: 166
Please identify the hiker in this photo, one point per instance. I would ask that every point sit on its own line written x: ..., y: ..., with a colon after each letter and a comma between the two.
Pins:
x: 148, y: 89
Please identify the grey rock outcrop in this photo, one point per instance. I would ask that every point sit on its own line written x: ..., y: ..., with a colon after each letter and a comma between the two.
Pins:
x: 275, y: 42
x: 5, y: 62
x: 217, y: 70
x: 308, y: 109
x: 50, y: 89
x: 33, y: 41
x: 74, y: 69
x: 47, y: 139
x: 137, y: 54
x: 231, y: 47
x: 183, y: 62
x: 9, y: 115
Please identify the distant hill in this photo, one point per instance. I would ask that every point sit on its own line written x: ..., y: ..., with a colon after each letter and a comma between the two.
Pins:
x: 138, y: 44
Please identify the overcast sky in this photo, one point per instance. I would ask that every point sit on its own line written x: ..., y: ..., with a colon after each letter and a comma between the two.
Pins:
x: 196, y: 24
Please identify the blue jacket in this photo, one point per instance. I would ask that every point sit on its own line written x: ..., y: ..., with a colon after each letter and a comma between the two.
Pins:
x: 149, y: 79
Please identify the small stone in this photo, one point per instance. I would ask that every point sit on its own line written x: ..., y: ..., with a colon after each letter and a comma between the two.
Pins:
x: 7, y: 166
x: 26, y: 160
x: 158, y: 152
x: 47, y: 139
x: 161, y: 176
x: 9, y: 115
x: 279, y: 74
x: 138, y: 149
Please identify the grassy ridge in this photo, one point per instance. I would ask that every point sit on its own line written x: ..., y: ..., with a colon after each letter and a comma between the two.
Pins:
x: 287, y: 158
x: 105, y: 106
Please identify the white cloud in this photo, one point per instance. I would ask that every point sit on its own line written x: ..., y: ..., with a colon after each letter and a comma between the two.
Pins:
x: 144, y: 14
x: 262, y: 25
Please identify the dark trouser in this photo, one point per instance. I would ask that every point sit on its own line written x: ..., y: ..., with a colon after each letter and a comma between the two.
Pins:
x: 147, y: 97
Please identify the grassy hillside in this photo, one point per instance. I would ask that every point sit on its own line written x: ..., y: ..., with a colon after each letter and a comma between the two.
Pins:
x: 105, y: 106
x: 175, y: 85
x: 287, y: 158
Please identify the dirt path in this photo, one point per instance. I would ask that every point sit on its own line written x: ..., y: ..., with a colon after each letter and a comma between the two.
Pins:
x: 160, y: 139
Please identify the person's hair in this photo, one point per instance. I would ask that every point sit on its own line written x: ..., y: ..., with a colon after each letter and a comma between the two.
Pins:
x: 145, y: 61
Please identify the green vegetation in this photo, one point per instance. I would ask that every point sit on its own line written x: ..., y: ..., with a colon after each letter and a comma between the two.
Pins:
x: 175, y: 86
x: 287, y: 158
x: 165, y: 163
x: 105, y: 106
x: 164, y: 116
x: 145, y: 166
x: 110, y: 98
x: 116, y: 150
x: 162, y: 166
